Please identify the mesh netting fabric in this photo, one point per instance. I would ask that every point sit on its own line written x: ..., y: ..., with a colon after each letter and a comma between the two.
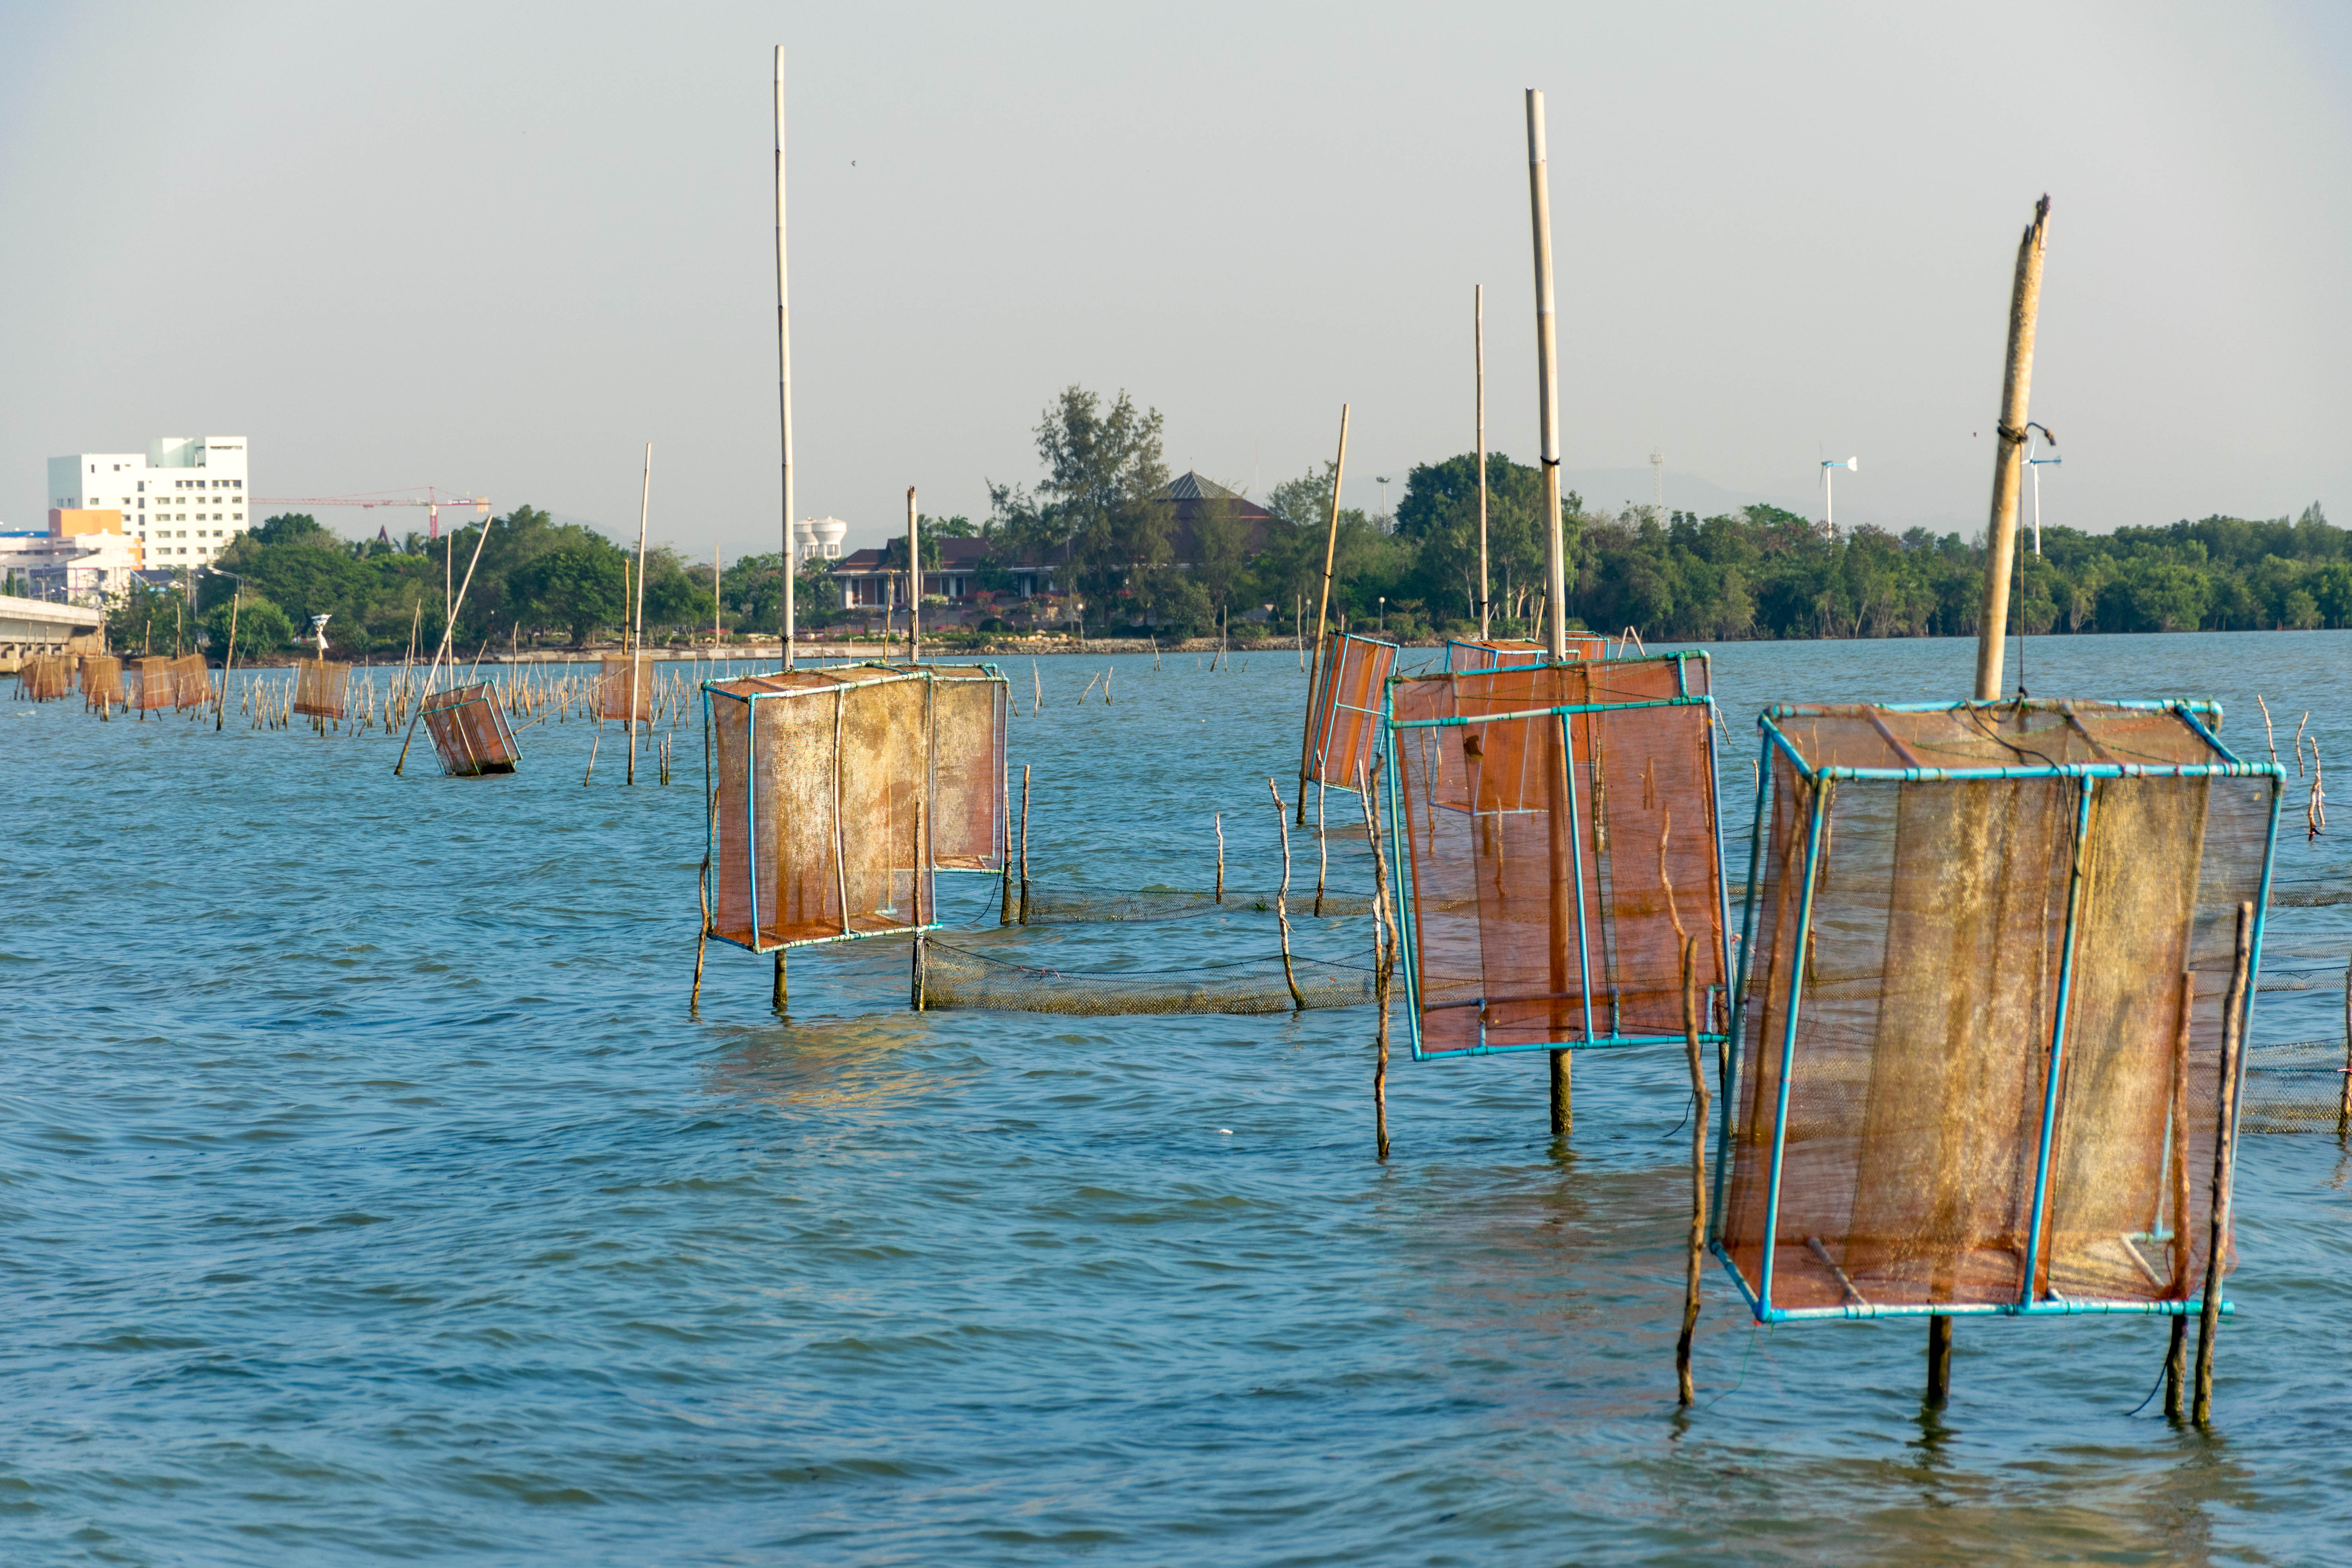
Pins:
x: 1344, y: 717
x: 1942, y: 916
x: 43, y: 678
x: 957, y: 977
x: 1515, y: 653
x: 470, y: 732
x: 1050, y: 905
x: 625, y: 688
x: 152, y: 689
x: 2295, y: 1086
x: 101, y: 679
x: 1514, y: 940
x: 320, y: 688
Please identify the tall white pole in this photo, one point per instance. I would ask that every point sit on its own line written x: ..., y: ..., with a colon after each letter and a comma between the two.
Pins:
x: 914, y: 581
x: 1547, y: 382
x: 1829, y: 494
x: 785, y: 360
x: 636, y: 644
x: 1478, y: 342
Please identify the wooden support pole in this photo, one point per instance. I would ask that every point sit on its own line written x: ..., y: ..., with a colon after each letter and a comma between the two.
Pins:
x: 1322, y: 615
x: 2233, y: 1025
x: 1546, y: 383
x: 784, y: 365
x: 1478, y: 341
x: 1004, y: 901
x: 2343, y: 1095
x: 1025, y: 844
x: 2008, y: 446
x: 2175, y: 1360
x: 710, y: 826
x: 634, y: 645
x: 1322, y: 848
x: 1939, y: 1359
x: 1563, y: 1104
x: 1282, y: 897
x: 776, y: 993
x: 1383, y: 961
x: 1220, y: 858
x: 914, y: 583
x: 1698, y: 1171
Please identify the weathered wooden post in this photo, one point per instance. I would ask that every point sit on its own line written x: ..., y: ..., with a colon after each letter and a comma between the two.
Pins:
x: 2008, y: 445
x: 784, y: 377
x: 1478, y: 338
x: 1322, y: 613
x: 2208, y: 1328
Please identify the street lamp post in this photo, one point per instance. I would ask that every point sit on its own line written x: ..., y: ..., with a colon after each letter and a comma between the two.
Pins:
x: 1387, y: 526
x: 2036, y: 432
x: 1829, y: 489
x: 1384, y: 614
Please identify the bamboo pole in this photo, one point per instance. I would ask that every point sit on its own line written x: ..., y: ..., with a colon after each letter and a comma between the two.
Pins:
x: 1547, y: 380
x: 2344, y: 1095
x: 1005, y: 902
x: 2176, y: 1359
x: 1699, y: 1172
x: 1220, y: 821
x: 784, y: 366
x: 2008, y: 445
x: 228, y: 667
x: 914, y: 581
x: 710, y: 824
x: 1478, y: 339
x: 1282, y: 897
x: 1385, y: 938
x: 2233, y: 1023
x: 1025, y: 844
x: 634, y: 645
x: 1322, y: 613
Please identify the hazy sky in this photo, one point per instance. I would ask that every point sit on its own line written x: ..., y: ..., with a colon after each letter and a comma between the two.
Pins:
x: 500, y: 247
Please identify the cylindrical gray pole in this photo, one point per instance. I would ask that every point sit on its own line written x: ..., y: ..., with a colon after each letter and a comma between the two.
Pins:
x: 1478, y: 340
x: 785, y: 360
x: 1547, y: 382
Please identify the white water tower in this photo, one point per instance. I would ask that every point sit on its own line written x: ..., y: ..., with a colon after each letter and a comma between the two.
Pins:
x: 816, y: 537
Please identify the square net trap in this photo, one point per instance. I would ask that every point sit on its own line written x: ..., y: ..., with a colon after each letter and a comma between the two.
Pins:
x: 1515, y: 653
x: 469, y: 732
x: 625, y: 688
x: 1987, y: 954
x: 321, y: 686
x: 101, y: 679
x: 1343, y: 715
x: 837, y: 794
x: 152, y: 688
x: 1557, y: 837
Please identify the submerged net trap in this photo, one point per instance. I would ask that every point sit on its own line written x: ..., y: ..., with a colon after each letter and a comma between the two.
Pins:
x: 192, y: 683
x: 151, y: 687
x: 101, y: 679
x: 43, y: 678
x: 321, y: 686
x: 469, y: 732
x: 1557, y: 830
x: 625, y: 689
x: 1980, y: 1044
x: 838, y: 793
x: 1343, y: 722
x: 958, y: 977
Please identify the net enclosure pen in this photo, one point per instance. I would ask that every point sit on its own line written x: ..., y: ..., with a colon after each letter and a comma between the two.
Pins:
x: 838, y: 793
x: 470, y: 733
x: 1515, y: 653
x: 322, y: 688
x: 1987, y: 950
x: 153, y: 689
x: 1344, y: 718
x: 101, y: 679
x: 1556, y: 836
x: 625, y: 688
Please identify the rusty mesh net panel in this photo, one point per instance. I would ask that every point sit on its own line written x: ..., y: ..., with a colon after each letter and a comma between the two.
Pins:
x: 153, y: 689
x: 1050, y: 904
x: 43, y: 678
x: 469, y: 732
x: 1929, y: 989
x: 958, y: 977
x: 1344, y: 718
x: 968, y: 741
x: 1540, y: 850
x: 321, y: 686
x: 101, y: 679
x: 192, y: 684
x: 2295, y: 1086
x: 819, y: 779
x: 625, y: 689
x: 1517, y: 653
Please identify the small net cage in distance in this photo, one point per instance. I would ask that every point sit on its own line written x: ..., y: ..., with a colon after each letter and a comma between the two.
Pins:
x: 1344, y: 715
x: 1988, y: 951
x: 44, y: 678
x: 154, y: 687
x: 625, y: 689
x: 819, y: 781
x: 469, y: 732
x: 101, y: 679
x: 1558, y: 835
x: 192, y: 683
x: 320, y: 687
x: 1515, y: 653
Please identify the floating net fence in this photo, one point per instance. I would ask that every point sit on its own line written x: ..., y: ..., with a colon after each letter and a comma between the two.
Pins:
x: 1343, y: 715
x: 1558, y: 830
x: 1515, y: 653
x: 322, y: 688
x: 1980, y: 1045
x: 469, y: 732
x: 2295, y: 1086
x: 959, y: 977
x: 1057, y: 905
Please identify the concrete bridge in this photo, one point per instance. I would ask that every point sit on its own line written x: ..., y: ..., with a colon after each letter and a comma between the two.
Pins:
x: 28, y: 626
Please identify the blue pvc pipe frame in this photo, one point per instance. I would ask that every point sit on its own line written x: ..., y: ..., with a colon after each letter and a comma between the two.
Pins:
x: 884, y: 673
x: 1402, y: 872
x: 1759, y: 1297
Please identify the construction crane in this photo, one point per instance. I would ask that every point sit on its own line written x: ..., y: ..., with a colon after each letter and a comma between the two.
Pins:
x: 432, y: 499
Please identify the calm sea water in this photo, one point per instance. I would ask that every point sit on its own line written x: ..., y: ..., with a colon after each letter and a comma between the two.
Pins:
x: 367, y: 1192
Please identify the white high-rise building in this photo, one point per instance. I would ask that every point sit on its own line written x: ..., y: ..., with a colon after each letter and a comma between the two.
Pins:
x: 179, y: 502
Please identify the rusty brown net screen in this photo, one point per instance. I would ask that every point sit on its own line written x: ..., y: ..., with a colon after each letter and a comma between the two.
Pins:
x: 1557, y: 824
x: 101, y: 679
x: 469, y: 732
x: 1344, y: 718
x: 625, y: 689
x: 43, y: 678
x: 1517, y: 653
x: 321, y: 686
x: 819, y: 777
x: 960, y: 977
x: 152, y: 689
x: 1945, y: 902
x: 968, y: 705
x: 192, y: 684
